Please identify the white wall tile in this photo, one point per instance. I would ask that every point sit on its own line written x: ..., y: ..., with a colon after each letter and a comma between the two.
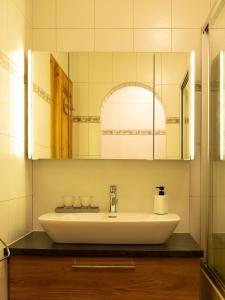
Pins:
x: 185, y: 40
x: 195, y: 173
x: 44, y: 13
x: 16, y: 107
x: 195, y: 218
x: 4, y: 223
x: 75, y: 13
x: 3, y: 24
x: 4, y: 101
x: 16, y: 171
x: 4, y: 163
x: 198, y: 102
x: 114, y: 40
x: 20, y: 213
x: 25, y: 6
x: 220, y: 21
x: 152, y: 40
x: 44, y: 39
x: 20, y: 170
x: 152, y: 14
x: 212, y: 2
x: 113, y: 14
x: 16, y: 29
x: 28, y: 38
x: 217, y: 40
x: 75, y: 39
x: 189, y: 13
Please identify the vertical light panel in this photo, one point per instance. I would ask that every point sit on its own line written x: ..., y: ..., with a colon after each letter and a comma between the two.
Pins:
x: 29, y: 110
x: 192, y: 105
x: 221, y: 105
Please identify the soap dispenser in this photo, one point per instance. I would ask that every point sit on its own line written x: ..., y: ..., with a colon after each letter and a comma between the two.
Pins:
x: 161, y: 202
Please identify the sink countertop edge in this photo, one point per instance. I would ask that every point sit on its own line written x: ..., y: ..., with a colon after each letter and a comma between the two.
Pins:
x: 38, y: 243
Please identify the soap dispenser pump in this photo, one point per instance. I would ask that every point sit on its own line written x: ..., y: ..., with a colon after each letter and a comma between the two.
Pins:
x: 161, y: 202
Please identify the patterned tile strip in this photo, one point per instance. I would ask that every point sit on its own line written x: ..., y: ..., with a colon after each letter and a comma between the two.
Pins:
x: 186, y: 120
x: 132, y: 132
x: 96, y: 119
x: 198, y: 86
x: 86, y: 119
x: 173, y: 120
x: 41, y: 93
x: 10, y: 66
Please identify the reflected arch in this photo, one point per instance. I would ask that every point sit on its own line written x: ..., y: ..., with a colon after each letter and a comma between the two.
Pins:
x: 127, y: 125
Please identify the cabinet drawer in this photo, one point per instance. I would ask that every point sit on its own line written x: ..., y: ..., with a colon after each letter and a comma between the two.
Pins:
x: 67, y: 278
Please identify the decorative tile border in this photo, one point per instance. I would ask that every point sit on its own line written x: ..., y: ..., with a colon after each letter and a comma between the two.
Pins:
x: 186, y: 120
x: 132, y: 132
x: 126, y: 84
x: 96, y: 119
x: 41, y: 93
x: 173, y: 120
x: 198, y: 86
x: 10, y: 66
x: 86, y: 119
x: 4, y: 61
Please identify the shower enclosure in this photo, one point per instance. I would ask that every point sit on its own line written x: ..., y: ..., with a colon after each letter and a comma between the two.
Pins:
x: 215, y: 256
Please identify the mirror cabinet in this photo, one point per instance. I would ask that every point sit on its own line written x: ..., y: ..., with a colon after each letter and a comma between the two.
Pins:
x: 103, y: 105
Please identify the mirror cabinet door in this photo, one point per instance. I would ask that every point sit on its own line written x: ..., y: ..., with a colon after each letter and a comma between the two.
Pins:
x: 218, y: 106
x: 50, y: 102
x: 113, y: 105
x: 172, y: 106
x: 103, y: 105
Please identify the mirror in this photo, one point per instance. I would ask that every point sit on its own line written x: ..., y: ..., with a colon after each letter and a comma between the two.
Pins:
x: 218, y: 103
x: 49, y: 131
x: 103, y: 105
x: 173, y: 90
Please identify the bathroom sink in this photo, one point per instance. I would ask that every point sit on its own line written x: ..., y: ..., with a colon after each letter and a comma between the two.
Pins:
x: 106, y: 228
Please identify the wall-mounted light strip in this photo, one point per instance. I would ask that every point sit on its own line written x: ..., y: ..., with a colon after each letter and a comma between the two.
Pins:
x: 29, y: 110
x: 192, y: 105
x: 221, y: 105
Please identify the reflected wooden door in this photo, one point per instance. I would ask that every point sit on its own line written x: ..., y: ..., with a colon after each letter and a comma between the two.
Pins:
x: 61, y: 112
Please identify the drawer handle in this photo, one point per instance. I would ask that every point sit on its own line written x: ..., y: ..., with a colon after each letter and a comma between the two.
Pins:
x: 7, y: 250
x: 104, y: 267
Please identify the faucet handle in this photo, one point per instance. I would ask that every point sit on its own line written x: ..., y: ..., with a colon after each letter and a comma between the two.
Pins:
x: 112, y: 188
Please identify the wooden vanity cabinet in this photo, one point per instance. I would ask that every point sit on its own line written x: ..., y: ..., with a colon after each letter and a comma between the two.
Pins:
x: 69, y: 278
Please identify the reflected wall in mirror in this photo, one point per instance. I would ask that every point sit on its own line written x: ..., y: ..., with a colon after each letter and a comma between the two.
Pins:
x: 173, y: 89
x: 111, y: 105
x: 217, y: 103
x: 218, y: 106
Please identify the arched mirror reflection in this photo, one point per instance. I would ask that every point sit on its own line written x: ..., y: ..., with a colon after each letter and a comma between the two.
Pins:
x: 127, y: 123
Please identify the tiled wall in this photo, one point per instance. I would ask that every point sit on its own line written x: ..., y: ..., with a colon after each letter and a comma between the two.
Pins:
x: 115, y: 25
x: 15, y: 169
x: 129, y: 25
x: 135, y: 180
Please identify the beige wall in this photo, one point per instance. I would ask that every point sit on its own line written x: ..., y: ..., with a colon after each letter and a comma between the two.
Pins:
x: 129, y: 25
x: 15, y: 169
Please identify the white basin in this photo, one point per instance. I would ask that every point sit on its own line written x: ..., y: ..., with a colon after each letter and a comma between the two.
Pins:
x: 99, y: 228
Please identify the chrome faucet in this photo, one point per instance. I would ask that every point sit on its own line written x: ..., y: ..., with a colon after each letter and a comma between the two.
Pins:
x: 113, y: 199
